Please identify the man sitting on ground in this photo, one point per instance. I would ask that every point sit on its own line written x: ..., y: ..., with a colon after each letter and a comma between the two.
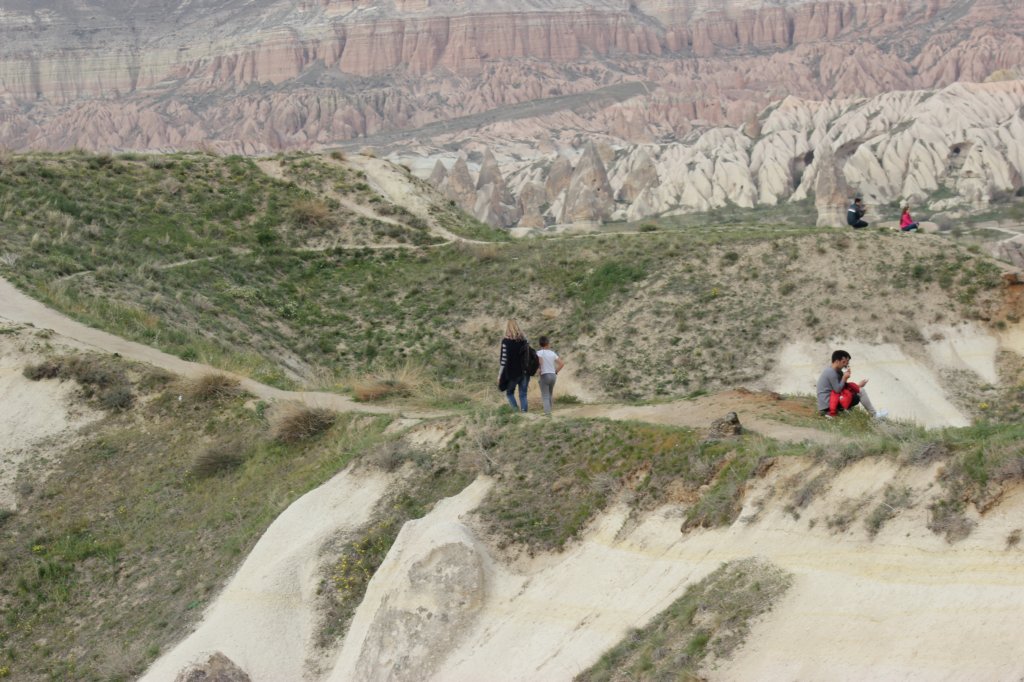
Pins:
x: 836, y: 391
x: 855, y: 214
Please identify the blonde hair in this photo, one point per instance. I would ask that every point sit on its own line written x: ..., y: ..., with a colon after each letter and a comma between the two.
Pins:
x: 512, y: 330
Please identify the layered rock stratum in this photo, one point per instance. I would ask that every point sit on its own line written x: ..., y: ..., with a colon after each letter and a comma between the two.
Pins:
x: 268, y: 75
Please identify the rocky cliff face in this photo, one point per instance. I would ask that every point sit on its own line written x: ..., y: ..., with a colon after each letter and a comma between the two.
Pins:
x: 268, y: 75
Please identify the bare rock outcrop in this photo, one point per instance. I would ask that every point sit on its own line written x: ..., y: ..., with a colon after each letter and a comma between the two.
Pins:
x: 558, y: 177
x: 642, y: 175
x: 423, y: 599
x: 266, y: 76
x: 589, y: 195
x: 439, y: 175
x: 831, y: 193
x: 532, y: 205
x: 217, y: 668
x: 952, y: 150
x: 725, y: 428
x: 494, y: 204
x: 459, y: 186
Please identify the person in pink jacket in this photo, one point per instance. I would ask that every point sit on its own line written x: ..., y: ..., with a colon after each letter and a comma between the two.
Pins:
x: 907, y: 223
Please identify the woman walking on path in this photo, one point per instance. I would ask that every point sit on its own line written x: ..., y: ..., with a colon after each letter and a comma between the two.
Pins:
x: 514, y: 352
x: 550, y: 366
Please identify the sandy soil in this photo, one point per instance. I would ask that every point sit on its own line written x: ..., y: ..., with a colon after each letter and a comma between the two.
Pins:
x: 758, y: 412
x: 32, y: 413
x: 908, y: 386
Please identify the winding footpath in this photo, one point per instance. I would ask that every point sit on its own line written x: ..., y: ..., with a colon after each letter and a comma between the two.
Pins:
x: 19, y: 308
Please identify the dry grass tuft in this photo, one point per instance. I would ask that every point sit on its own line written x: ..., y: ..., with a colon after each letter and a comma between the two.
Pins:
x: 295, y: 422
x: 1012, y: 540
x: 310, y: 213
x: 47, y: 369
x: 947, y: 518
x: 397, y: 383
x: 218, y: 458
x: 483, y: 253
x: 213, y: 386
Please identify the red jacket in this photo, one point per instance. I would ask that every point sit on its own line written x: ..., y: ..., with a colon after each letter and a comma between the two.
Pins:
x: 905, y: 219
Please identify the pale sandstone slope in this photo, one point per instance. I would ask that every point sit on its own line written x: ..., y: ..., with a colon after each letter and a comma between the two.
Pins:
x: 905, y: 605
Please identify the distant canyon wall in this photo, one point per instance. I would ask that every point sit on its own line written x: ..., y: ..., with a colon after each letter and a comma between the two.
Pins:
x: 267, y: 75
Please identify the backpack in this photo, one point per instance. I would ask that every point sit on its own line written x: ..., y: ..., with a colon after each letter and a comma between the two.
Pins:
x: 532, y: 363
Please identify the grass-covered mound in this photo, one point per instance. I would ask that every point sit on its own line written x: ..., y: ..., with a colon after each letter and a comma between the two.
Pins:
x: 210, y: 258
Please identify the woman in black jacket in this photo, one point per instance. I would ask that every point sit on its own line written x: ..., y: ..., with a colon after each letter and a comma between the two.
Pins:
x: 514, y: 353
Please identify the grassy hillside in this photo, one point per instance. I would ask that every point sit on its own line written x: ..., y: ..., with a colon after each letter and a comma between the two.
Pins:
x: 211, y: 259
x: 119, y: 543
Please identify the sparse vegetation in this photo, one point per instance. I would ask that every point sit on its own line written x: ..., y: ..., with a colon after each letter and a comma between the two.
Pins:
x: 219, y: 458
x: 894, y: 499
x: 398, y: 383
x: 985, y: 460
x: 226, y: 265
x: 431, y: 479
x: 103, y: 380
x: 115, y: 551
x: 1012, y: 540
x: 709, y: 621
x: 246, y: 285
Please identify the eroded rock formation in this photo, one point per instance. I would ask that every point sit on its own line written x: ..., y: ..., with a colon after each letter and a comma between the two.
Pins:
x: 956, y: 149
x: 272, y: 75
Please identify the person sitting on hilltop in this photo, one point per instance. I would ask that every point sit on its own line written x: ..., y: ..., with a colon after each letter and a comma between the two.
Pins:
x: 836, y: 392
x: 855, y: 214
x: 907, y: 223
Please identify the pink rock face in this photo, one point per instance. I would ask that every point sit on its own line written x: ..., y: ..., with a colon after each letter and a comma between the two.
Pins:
x: 589, y: 195
x: 280, y: 75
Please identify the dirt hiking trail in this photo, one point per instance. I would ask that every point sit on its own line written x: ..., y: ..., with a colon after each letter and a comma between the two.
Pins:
x: 17, y: 307
x: 754, y: 409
